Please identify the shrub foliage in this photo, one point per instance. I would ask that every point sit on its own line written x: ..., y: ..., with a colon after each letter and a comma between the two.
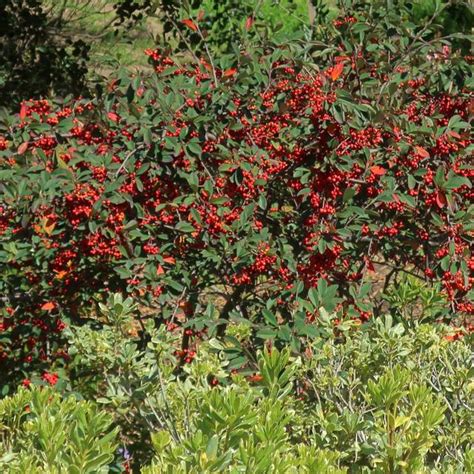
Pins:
x: 257, y: 187
x: 383, y: 399
x: 253, y: 257
x: 41, y: 432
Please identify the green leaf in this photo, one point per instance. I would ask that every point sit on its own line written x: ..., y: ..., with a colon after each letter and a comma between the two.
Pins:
x: 455, y: 181
x: 194, y: 148
x: 348, y: 194
x: 184, y: 227
x: 269, y: 317
x: 266, y: 333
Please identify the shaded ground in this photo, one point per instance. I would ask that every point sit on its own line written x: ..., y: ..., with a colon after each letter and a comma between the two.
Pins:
x: 112, y: 45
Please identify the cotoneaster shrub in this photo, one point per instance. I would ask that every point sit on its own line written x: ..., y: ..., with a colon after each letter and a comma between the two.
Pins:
x: 256, y: 188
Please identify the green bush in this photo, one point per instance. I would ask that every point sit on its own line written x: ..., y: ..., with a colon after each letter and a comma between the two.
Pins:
x: 382, y: 397
x: 42, y: 432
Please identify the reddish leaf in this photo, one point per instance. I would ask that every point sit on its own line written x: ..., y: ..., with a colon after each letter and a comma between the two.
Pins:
x: 454, y: 134
x: 22, y: 148
x: 255, y: 378
x: 170, y: 260
x: 422, y: 152
x: 229, y: 72
x: 440, y: 199
x: 49, y: 306
x: 378, y: 170
x: 336, y: 71
x: 248, y: 23
x: 190, y: 24
x: 369, y: 266
x: 23, y: 111
x: 113, y: 116
x: 160, y: 270
x: 206, y: 65
x: 200, y: 15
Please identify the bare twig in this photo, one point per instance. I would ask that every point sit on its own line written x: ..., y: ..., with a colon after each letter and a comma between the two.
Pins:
x: 129, y: 155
